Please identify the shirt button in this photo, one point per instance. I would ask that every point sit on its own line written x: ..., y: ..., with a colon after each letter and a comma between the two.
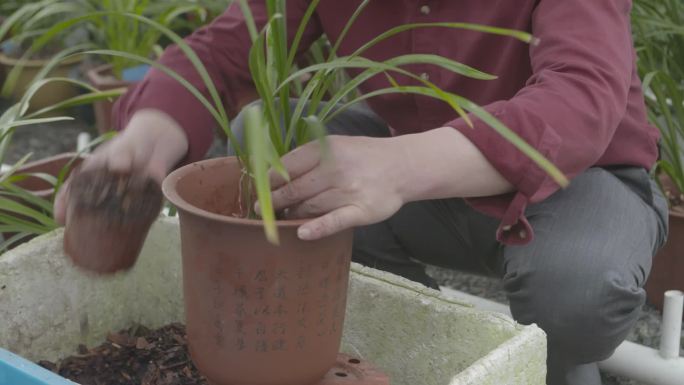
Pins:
x: 507, y: 228
x: 523, y: 234
x: 425, y: 10
x: 425, y: 76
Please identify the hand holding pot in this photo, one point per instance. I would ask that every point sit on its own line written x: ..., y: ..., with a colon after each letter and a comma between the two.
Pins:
x: 150, y: 146
x: 365, y: 180
x: 111, y: 202
x: 357, y: 183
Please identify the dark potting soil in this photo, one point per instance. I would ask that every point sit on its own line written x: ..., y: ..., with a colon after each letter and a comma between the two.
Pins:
x: 121, y: 197
x: 137, y: 356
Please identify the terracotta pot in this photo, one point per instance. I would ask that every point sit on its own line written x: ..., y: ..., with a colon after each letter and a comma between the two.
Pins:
x: 256, y: 313
x: 108, y: 217
x: 38, y: 186
x: 667, y: 272
x: 50, y: 94
x: 52, y: 166
x: 103, y: 79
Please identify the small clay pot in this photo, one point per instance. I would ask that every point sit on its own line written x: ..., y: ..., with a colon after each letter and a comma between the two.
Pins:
x: 102, y: 78
x: 108, y: 217
x: 256, y: 313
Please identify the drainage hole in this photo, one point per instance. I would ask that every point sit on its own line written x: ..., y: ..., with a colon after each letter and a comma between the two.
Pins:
x: 341, y: 374
x: 354, y: 361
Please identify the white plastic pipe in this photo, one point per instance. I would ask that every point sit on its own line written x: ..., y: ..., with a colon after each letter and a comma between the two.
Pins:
x: 82, y: 141
x: 630, y: 360
x: 673, y: 307
x: 644, y: 365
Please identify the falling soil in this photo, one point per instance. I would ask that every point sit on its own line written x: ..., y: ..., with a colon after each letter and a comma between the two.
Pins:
x: 137, y: 356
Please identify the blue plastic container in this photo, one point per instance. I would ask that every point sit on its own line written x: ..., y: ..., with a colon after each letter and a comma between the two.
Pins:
x: 135, y: 74
x: 15, y: 370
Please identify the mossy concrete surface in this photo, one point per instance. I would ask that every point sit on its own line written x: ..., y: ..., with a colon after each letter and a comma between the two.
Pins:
x: 416, y: 335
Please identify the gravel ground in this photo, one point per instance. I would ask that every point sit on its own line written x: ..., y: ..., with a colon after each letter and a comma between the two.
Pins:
x: 51, y: 139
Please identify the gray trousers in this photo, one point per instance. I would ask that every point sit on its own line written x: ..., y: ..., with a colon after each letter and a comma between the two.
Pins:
x: 581, y: 279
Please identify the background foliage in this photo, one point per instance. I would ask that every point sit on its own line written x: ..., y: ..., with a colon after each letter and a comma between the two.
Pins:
x: 658, y: 27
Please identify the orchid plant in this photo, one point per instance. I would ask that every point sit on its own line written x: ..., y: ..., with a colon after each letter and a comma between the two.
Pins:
x: 274, y: 128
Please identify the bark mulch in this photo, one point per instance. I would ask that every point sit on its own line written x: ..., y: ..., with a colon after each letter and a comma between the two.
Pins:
x: 137, y: 356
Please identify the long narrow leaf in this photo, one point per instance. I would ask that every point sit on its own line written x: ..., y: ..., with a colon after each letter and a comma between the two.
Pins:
x: 481, y: 113
x: 14, y: 167
x: 17, y: 208
x: 522, y: 36
x: 13, y: 240
x: 257, y: 142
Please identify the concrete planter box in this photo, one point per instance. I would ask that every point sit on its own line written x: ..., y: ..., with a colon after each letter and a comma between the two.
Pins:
x: 416, y: 335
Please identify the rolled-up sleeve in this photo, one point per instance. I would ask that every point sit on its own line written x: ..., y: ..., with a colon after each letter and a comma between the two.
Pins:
x: 223, y: 47
x: 569, y: 109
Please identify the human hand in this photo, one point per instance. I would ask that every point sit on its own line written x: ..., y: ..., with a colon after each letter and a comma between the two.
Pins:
x: 359, y: 182
x: 151, y: 144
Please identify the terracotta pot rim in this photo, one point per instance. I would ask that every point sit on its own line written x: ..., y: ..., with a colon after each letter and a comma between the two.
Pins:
x: 171, y: 193
x: 41, y: 162
x: 6, y: 60
x: 96, y: 77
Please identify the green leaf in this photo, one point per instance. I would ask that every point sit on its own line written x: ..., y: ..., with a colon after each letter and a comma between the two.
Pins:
x: 646, y: 83
x: 300, y: 31
x: 21, y: 195
x: 249, y: 19
x: 522, y: 36
x: 28, y: 122
x: 485, y: 116
x: 14, y: 167
x: 11, y: 205
x: 318, y: 131
x: 80, y: 100
x: 21, y: 225
x: 257, y: 148
x: 374, y: 67
x: 13, y: 240
x: 347, y: 27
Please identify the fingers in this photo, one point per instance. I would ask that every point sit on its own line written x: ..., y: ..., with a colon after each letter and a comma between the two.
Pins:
x: 122, y: 162
x: 118, y: 156
x: 123, y: 156
x: 331, y: 223
x: 151, y: 163
x: 300, y: 189
x: 297, y: 163
x: 318, y: 205
x: 60, y: 205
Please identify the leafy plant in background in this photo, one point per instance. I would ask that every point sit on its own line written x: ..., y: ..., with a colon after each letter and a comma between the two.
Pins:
x: 24, y: 21
x: 273, y: 68
x: 8, y: 7
x: 658, y: 27
x: 206, y: 11
x: 22, y: 213
x: 110, y: 31
x: 120, y: 33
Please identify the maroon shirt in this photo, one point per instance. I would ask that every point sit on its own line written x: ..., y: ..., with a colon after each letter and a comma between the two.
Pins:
x: 575, y: 96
